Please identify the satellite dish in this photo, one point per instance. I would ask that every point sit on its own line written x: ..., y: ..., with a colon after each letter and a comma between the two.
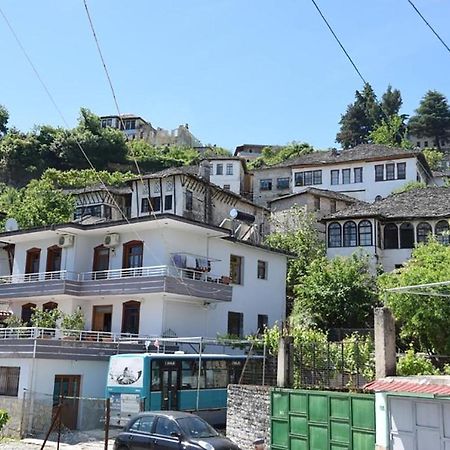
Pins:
x: 11, y: 225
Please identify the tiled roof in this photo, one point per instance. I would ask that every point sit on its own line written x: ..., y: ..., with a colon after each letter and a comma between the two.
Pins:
x: 322, y: 193
x: 363, y: 152
x: 431, y: 202
x: 418, y: 385
x: 112, y: 189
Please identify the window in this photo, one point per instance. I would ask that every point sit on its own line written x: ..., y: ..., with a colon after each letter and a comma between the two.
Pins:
x: 226, y: 187
x: 390, y: 236
x: 229, y: 169
x: 406, y: 235
x: 216, y: 374
x: 144, y: 424
x: 334, y: 235
x: 32, y: 260
x: 379, y: 173
x: 265, y: 185
x: 308, y: 178
x: 335, y: 177
x: 358, y: 174
x: 155, y: 203
x: 167, y: 202
x: 263, y: 322
x: 235, y: 324
x: 27, y: 312
x: 316, y: 203
x: 236, y: 269
x: 9, y: 381
x: 350, y: 234
x: 283, y: 183
x: 130, y: 317
x: 219, y: 169
x: 132, y: 254
x: 346, y: 176
x: 165, y: 427
x: 365, y: 233
x: 442, y: 232
x: 332, y: 205
x: 401, y: 171
x: 423, y: 231
x: 425, y: 143
x: 262, y: 270
x: 145, y: 205
x: 188, y: 200
x: 390, y: 171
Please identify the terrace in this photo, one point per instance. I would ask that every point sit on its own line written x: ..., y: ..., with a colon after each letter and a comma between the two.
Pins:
x: 137, y: 280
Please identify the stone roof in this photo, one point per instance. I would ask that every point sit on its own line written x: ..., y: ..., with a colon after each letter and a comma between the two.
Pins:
x: 321, y: 193
x: 431, y: 202
x: 363, y: 152
x: 118, y: 190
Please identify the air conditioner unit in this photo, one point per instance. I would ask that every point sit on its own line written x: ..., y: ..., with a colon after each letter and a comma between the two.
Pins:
x: 111, y: 240
x: 66, y: 240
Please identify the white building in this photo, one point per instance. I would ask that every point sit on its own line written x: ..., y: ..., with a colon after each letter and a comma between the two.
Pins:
x: 366, y: 172
x: 164, y: 276
x: 388, y: 230
x: 230, y: 173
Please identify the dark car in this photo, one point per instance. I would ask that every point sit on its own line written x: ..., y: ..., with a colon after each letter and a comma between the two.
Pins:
x: 170, y: 430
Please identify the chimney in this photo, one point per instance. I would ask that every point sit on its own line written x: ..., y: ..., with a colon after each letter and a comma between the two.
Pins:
x: 204, y: 170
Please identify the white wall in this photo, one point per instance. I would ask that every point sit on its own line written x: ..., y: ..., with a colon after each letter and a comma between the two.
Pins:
x: 368, y: 189
x: 234, y: 181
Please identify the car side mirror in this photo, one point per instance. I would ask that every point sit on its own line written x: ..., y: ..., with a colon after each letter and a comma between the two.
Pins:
x: 176, y: 435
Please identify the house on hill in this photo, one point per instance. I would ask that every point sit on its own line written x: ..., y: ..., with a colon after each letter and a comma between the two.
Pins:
x: 390, y: 228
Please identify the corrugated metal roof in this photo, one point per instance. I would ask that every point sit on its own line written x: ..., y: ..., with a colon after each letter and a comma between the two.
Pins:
x: 419, y: 387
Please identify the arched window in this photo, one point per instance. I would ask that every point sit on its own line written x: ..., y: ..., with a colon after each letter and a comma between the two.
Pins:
x: 442, y: 232
x: 390, y: 236
x: 334, y: 235
x: 406, y: 235
x: 27, y: 312
x: 365, y: 233
x: 350, y: 234
x: 423, y: 231
x: 49, y: 306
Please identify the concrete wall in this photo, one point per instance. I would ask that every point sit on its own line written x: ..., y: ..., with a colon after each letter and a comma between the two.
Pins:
x: 235, y: 180
x: 248, y: 414
x: 261, y: 197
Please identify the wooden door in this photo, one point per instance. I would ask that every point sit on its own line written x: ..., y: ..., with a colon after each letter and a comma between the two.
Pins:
x: 130, y: 317
x: 101, y: 262
x: 32, y: 261
x: 53, y: 261
x: 102, y: 318
x: 27, y: 312
x: 66, y: 390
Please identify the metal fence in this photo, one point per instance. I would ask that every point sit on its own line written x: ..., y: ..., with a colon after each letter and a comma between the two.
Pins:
x: 71, y: 417
x: 333, y: 365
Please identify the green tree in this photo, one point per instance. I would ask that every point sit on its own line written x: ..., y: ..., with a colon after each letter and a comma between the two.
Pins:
x: 359, y: 119
x: 423, y: 319
x: 391, y: 102
x: 337, y: 293
x: 434, y: 158
x: 297, y: 233
x: 270, y: 156
x: 391, y: 132
x: 410, y: 186
x: 432, y: 118
x: 4, y: 117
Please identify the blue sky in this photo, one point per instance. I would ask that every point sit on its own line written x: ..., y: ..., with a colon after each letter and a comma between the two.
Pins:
x: 238, y: 71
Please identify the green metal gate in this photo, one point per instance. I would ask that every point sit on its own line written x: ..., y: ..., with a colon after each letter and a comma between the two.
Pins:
x: 322, y: 420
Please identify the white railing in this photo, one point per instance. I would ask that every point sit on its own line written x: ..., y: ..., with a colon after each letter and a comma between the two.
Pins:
x: 113, y: 274
x: 39, y: 276
x: 60, y: 334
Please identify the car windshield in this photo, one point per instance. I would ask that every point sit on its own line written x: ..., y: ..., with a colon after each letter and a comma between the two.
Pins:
x: 196, y: 428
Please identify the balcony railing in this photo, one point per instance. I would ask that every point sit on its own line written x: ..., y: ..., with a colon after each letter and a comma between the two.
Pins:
x: 39, y: 276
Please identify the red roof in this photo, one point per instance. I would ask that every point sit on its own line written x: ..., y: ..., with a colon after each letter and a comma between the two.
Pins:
x: 421, y: 386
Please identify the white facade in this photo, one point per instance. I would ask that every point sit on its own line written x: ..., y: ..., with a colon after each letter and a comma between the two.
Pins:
x: 358, y: 178
x: 228, y: 173
x: 184, y: 315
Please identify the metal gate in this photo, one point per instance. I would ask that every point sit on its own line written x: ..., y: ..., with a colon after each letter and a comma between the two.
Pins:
x: 322, y: 420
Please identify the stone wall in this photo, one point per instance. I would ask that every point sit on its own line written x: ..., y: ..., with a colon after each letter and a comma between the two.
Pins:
x: 248, y: 414
x: 13, y: 406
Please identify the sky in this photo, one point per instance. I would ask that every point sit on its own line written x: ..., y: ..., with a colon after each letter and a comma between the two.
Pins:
x: 237, y: 71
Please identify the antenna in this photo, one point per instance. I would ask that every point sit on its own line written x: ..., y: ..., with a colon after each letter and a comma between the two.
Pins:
x: 11, y: 224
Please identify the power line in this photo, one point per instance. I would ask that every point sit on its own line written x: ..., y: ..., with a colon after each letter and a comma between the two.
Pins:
x: 429, y: 26
x: 339, y: 42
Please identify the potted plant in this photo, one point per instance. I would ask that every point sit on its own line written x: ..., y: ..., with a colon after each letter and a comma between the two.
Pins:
x: 45, y: 319
x: 72, y: 322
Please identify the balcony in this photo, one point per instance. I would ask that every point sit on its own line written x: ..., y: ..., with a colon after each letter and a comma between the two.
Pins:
x: 138, y: 280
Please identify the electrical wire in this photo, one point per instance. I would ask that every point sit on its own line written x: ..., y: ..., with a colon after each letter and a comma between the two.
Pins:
x: 429, y: 25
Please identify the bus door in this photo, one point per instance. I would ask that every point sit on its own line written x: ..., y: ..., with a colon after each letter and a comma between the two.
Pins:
x: 170, y: 383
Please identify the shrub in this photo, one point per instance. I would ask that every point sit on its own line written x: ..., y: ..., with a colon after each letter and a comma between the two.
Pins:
x: 4, y: 417
x: 414, y: 364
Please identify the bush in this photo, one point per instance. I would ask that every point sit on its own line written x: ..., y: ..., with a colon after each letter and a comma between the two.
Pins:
x: 414, y: 364
x: 4, y: 417
x: 74, y: 321
x: 14, y: 321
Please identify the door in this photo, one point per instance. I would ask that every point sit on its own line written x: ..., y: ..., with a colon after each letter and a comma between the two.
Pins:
x: 133, y: 254
x: 32, y: 263
x: 102, y: 318
x: 27, y: 312
x: 66, y: 390
x: 170, y: 379
x: 164, y: 435
x: 130, y: 317
x: 101, y: 263
x: 53, y: 262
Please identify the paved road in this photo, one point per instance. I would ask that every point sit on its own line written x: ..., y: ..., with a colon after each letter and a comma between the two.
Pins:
x: 35, y: 444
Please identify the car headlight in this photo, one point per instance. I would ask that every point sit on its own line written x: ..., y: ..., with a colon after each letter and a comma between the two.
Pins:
x: 205, y: 445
